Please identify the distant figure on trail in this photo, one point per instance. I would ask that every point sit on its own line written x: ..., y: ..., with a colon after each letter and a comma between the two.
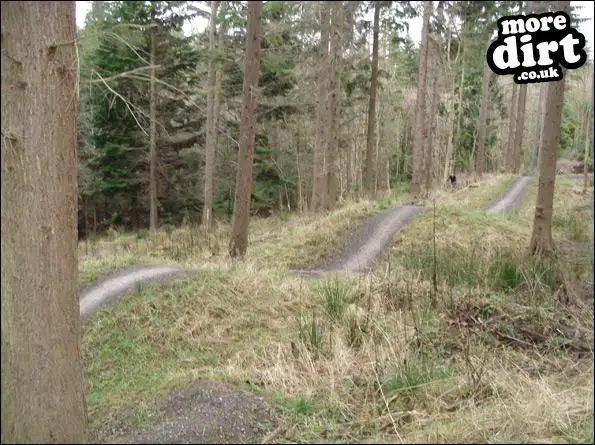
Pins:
x: 453, y: 181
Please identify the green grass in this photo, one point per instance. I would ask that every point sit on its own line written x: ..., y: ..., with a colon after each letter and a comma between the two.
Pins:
x: 164, y: 337
x: 493, y: 353
x: 92, y: 269
x: 334, y: 297
x: 475, y: 249
x: 275, y: 243
x: 476, y: 195
x: 310, y: 244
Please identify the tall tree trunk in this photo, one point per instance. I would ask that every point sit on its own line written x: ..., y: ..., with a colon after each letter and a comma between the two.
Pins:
x: 211, y: 130
x: 377, y: 158
x: 319, y: 189
x: 519, y: 129
x: 370, y: 176
x: 541, y: 238
x: 275, y: 145
x: 153, y: 141
x: 539, y: 124
x: 459, y: 114
x: 448, y: 167
x: 399, y: 153
x: 429, y: 148
x: 385, y: 154
x: 86, y: 212
x: 406, y: 146
x: 349, y: 170
x: 241, y: 212
x: 218, y: 85
x: 511, y: 127
x: 94, y: 218
x: 578, y: 131
x: 356, y: 170
x: 451, y: 116
x: 420, y: 107
x: 586, y: 156
x: 43, y: 390
x: 483, y: 118
x: 298, y: 191
x: 387, y: 172
x: 520, y: 115
x: 589, y: 121
x: 335, y: 102
x: 359, y: 174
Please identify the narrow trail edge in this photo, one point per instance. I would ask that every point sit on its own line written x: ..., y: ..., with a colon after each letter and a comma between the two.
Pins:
x: 359, y: 253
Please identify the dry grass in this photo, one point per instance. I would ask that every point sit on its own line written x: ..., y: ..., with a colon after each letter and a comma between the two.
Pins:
x: 491, y: 354
x: 276, y: 242
x: 473, y: 194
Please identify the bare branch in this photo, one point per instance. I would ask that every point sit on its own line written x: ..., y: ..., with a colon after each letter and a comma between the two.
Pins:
x: 124, y: 74
x: 128, y: 105
x: 129, y: 45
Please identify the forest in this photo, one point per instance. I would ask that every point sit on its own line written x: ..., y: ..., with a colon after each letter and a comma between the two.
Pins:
x: 159, y: 111
x: 292, y: 222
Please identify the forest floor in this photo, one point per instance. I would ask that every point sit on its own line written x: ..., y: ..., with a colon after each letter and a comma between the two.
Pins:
x: 451, y: 331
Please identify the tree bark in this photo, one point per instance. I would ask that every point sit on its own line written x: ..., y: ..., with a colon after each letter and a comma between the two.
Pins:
x: 429, y: 149
x: 218, y: 86
x: 319, y: 187
x: 335, y: 103
x: 241, y: 212
x: 589, y: 121
x: 349, y: 170
x: 274, y: 145
x: 451, y: 116
x: 541, y: 237
x: 153, y: 216
x: 539, y: 124
x: 385, y: 154
x: 520, y: 117
x: 586, y: 157
x: 519, y: 130
x: 448, y: 162
x: 298, y: 184
x: 399, y: 153
x: 420, y: 116
x: 511, y: 126
x: 43, y: 390
x: 211, y: 130
x: 459, y: 114
x: 377, y: 156
x: 483, y: 118
x: 359, y: 171
x: 370, y: 171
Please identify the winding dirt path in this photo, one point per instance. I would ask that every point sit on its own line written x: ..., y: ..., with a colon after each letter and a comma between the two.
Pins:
x: 363, y: 247
x: 358, y: 255
x: 113, y: 286
x: 511, y: 198
x: 209, y: 412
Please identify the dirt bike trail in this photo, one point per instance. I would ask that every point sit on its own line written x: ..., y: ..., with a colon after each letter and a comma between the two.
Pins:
x: 113, y: 286
x: 210, y: 412
x: 511, y: 198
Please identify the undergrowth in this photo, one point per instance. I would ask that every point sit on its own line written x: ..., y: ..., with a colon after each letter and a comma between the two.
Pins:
x: 457, y: 337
